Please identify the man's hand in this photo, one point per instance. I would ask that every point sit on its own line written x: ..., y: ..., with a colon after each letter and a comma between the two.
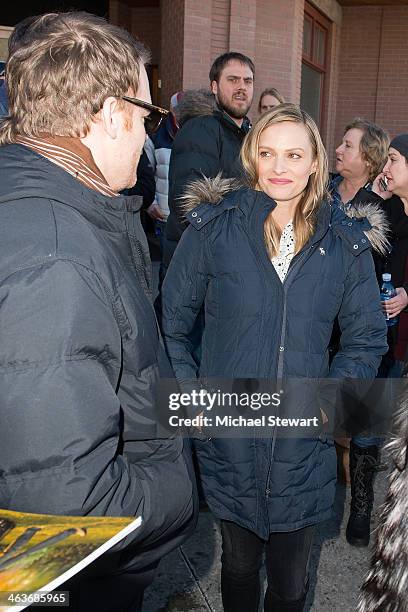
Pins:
x: 396, y: 304
x: 155, y: 212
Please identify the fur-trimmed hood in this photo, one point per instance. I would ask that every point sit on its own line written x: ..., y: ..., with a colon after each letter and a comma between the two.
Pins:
x: 213, y: 191
x: 386, y: 586
x: 195, y: 103
x: 380, y: 228
x: 208, y: 191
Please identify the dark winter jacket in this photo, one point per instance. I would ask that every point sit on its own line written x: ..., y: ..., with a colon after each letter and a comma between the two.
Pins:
x: 80, y: 356
x: 397, y: 265
x: 364, y: 196
x: 206, y: 144
x: 258, y: 327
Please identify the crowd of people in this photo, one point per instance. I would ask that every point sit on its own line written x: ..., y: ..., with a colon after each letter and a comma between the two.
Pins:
x: 270, y: 272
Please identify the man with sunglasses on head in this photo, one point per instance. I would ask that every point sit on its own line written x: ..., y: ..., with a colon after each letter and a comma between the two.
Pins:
x: 209, y: 143
x: 80, y: 352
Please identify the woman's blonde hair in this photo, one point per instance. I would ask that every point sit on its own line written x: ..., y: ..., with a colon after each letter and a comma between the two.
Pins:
x: 304, y: 220
x: 270, y: 91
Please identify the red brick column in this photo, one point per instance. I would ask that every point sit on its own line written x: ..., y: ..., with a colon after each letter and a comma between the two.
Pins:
x: 279, y: 31
x: 242, y: 36
x: 172, y: 48
x: 197, y: 43
x: 358, y: 65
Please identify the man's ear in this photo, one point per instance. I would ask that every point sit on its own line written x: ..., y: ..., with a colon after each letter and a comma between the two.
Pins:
x: 110, y: 117
x: 214, y: 87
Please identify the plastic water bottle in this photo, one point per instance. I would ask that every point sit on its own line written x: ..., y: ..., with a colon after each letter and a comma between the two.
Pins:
x: 388, y: 292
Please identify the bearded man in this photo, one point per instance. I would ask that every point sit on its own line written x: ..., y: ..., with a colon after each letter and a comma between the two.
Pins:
x: 209, y: 144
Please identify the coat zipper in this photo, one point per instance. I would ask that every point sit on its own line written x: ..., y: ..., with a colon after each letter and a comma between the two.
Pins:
x: 272, y: 443
x: 137, y: 255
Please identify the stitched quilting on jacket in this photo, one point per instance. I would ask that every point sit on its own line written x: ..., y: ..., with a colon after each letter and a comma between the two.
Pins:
x: 258, y: 327
x: 80, y: 356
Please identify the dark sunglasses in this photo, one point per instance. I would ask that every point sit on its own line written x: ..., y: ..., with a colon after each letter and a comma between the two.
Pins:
x: 153, y: 120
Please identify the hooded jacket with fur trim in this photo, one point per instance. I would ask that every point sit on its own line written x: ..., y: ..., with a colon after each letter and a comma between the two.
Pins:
x: 257, y: 327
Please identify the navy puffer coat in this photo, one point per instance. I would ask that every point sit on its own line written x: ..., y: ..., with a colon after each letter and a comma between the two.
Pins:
x: 258, y: 327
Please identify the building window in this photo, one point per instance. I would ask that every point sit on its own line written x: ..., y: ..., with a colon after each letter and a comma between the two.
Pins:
x: 316, y: 34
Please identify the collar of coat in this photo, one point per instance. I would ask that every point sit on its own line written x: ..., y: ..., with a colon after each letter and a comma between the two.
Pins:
x: 362, y: 226
x: 230, y: 123
x: 73, y: 156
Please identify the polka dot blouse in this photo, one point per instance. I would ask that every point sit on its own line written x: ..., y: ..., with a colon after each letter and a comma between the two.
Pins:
x: 282, y: 261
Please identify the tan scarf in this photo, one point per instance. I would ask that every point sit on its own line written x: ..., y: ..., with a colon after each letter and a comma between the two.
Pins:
x: 73, y: 156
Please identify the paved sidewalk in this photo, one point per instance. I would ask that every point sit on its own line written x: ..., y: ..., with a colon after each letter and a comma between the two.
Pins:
x: 189, y: 578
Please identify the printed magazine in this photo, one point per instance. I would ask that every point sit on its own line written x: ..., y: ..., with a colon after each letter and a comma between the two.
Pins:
x: 39, y: 552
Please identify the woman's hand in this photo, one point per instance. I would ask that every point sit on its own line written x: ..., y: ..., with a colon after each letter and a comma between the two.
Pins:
x: 378, y: 187
x: 396, y: 304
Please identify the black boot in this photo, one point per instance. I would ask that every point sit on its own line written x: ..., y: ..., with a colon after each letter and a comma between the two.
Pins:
x: 363, y: 465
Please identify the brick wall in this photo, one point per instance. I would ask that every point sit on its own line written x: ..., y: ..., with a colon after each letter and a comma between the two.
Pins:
x: 145, y: 24
x: 373, y: 68
x: 197, y: 43
x: 220, y: 27
x: 392, y: 90
x: 358, y: 65
x: 172, y: 45
x: 279, y: 31
x: 242, y: 36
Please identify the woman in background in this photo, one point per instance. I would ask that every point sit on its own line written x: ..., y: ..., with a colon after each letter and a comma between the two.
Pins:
x: 360, y: 158
x: 269, y: 98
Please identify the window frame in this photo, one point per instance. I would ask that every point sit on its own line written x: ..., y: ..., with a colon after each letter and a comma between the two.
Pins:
x: 319, y: 21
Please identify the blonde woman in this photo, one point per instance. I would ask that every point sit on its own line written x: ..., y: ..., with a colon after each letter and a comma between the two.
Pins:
x: 268, y: 99
x: 273, y: 266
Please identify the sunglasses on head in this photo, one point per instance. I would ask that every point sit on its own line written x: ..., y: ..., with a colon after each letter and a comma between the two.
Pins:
x: 153, y: 120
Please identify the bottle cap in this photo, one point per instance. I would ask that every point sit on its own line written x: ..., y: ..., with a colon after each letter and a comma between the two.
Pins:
x: 386, y: 277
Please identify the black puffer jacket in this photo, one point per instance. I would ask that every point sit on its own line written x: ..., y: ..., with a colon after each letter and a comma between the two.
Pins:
x: 79, y: 359
x: 207, y: 144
